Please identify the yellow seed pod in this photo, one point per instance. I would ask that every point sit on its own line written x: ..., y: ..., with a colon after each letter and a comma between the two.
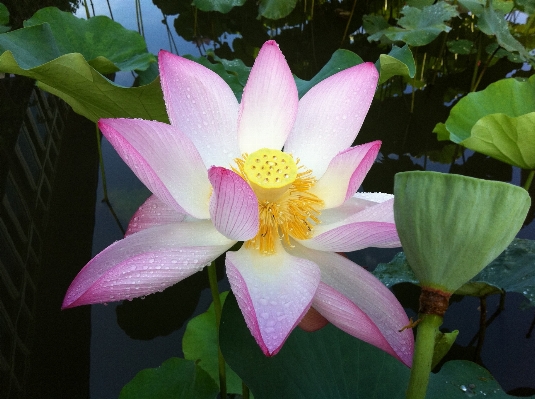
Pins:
x: 270, y: 172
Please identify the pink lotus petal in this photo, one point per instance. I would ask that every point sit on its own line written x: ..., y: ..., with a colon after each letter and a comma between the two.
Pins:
x: 202, y: 106
x: 269, y: 102
x: 355, y: 205
x: 345, y: 174
x: 380, y: 212
x: 372, y: 226
x: 330, y: 116
x: 165, y: 160
x: 367, y: 293
x: 273, y: 291
x: 153, y: 212
x: 355, y: 236
x: 233, y: 206
x: 148, y: 261
x: 348, y: 317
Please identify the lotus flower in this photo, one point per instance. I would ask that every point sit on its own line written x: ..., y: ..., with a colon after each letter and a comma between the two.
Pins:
x: 218, y: 176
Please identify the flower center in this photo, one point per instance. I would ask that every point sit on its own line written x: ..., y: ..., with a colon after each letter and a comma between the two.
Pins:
x: 270, y: 172
x: 286, y: 207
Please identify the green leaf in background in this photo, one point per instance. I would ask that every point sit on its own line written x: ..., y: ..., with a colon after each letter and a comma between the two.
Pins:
x: 275, y: 9
x: 420, y: 26
x: 452, y: 226
x: 512, y: 271
x: 464, y: 379
x: 174, y: 379
x: 235, y: 67
x: 497, y: 52
x: 419, y: 3
x: 200, y: 345
x: 527, y: 5
x: 511, y: 98
x: 233, y: 79
x: 332, y: 364
x: 373, y: 24
x: 396, y: 271
x: 477, y: 7
x: 493, y: 22
x: 398, y: 62
x: 340, y: 60
x: 4, y: 19
x: 509, y: 139
x: 89, y: 93
x: 461, y: 46
x: 50, y: 33
x: 222, y: 6
x: 441, y: 132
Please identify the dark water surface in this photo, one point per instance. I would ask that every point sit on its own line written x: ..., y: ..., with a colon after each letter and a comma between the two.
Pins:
x: 94, y: 350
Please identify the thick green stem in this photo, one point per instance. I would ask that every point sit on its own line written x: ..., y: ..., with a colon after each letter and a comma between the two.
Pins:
x: 527, y: 185
x: 423, y: 355
x: 212, y: 277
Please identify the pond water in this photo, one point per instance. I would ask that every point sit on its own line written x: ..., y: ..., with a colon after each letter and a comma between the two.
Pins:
x: 93, y: 351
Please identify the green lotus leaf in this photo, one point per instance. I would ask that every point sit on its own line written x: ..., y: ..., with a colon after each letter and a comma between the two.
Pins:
x: 452, y: 226
x: 493, y: 22
x: 398, y: 62
x: 340, y: 60
x: 200, y: 345
x: 441, y: 132
x: 419, y: 26
x: 512, y: 271
x: 222, y: 6
x: 511, y: 97
x: 373, y: 24
x: 50, y: 33
x: 175, y: 378
x: 275, y: 9
x: 477, y: 7
x: 4, y: 19
x: 461, y: 46
x: 527, y: 5
x: 218, y: 67
x: 509, y: 139
x: 89, y: 93
x: 420, y: 3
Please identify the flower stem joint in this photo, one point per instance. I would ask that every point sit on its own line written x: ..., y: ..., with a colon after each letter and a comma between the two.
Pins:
x: 434, y: 301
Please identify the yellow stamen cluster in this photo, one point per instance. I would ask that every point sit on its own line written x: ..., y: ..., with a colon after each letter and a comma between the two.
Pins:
x: 286, y: 208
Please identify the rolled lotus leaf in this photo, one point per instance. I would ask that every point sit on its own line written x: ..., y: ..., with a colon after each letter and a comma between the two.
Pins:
x: 452, y: 226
